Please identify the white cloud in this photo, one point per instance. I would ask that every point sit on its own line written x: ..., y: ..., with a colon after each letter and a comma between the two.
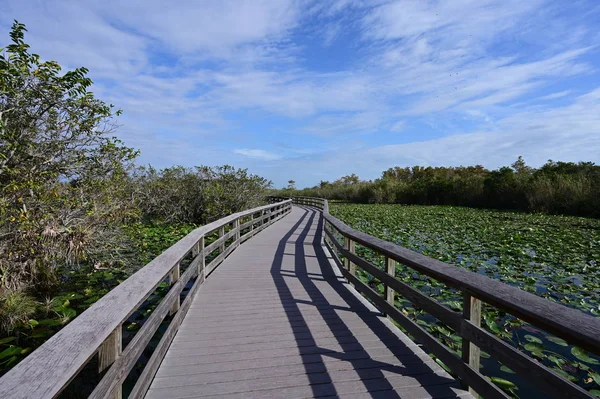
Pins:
x: 569, y: 133
x: 192, y: 75
x: 553, y: 96
x: 257, y: 154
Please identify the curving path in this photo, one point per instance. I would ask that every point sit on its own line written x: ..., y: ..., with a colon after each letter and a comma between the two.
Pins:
x: 277, y: 320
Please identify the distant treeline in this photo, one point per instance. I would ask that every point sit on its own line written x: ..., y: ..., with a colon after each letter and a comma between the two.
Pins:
x: 557, y: 187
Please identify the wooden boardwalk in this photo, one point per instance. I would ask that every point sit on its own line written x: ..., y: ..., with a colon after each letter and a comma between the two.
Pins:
x: 276, y: 320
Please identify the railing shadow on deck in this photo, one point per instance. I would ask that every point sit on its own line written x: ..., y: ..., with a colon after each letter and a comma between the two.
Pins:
x: 369, y: 371
x: 572, y: 325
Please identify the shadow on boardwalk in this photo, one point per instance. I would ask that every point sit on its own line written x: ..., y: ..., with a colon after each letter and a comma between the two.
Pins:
x: 275, y: 321
x: 379, y: 379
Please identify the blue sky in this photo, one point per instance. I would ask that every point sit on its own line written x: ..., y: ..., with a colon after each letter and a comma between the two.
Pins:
x: 313, y: 90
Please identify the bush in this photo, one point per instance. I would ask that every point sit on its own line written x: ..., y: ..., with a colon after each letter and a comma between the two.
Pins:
x: 63, y: 179
x: 15, y: 308
x: 557, y: 187
x: 197, y: 195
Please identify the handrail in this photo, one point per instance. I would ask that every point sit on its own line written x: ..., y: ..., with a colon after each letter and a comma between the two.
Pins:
x: 570, y: 324
x: 50, y: 368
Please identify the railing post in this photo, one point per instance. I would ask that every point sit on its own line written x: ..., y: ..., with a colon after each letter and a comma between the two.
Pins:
x: 173, y: 277
x: 236, y: 226
x: 351, y: 267
x: 470, y: 352
x: 202, y: 255
x: 390, y: 294
x: 221, y: 234
x: 110, y: 351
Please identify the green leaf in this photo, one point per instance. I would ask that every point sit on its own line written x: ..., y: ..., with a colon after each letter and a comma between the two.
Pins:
x: 533, y: 347
x: 558, y: 341
x: 13, y: 350
x: 595, y: 377
x: 501, y: 382
x: 7, y: 340
x: 506, y: 370
x: 595, y: 392
x: 531, y: 338
x: 566, y: 375
x: 556, y: 360
x: 582, y: 355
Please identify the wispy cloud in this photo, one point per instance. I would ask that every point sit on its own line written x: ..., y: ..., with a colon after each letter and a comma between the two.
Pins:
x: 375, y: 83
x: 257, y: 154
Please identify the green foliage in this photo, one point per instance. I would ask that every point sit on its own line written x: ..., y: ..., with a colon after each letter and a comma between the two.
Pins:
x: 555, y: 257
x: 556, y: 188
x: 198, y: 195
x: 72, y: 203
x: 62, y: 178
x: 15, y: 308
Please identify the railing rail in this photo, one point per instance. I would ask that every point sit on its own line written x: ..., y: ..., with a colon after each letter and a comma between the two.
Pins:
x: 570, y: 324
x: 48, y: 370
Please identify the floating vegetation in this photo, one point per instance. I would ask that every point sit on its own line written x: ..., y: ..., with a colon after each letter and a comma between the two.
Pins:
x: 555, y: 257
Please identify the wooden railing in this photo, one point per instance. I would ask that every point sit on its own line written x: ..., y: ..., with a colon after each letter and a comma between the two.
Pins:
x: 98, y: 330
x: 570, y: 324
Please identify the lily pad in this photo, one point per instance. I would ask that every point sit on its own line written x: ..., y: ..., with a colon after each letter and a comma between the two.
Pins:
x: 533, y: 339
x: 558, y: 341
x: 582, y: 355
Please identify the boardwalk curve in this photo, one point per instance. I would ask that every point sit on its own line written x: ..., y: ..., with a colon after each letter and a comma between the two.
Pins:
x: 276, y: 320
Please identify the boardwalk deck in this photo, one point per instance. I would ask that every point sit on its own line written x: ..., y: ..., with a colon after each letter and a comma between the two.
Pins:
x: 276, y: 320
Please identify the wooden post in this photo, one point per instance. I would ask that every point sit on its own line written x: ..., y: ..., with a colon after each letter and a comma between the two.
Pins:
x: 352, y: 265
x: 236, y: 226
x: 347, y: 246
x: 109, y: 352
x: 201, y: 264
x: 173, y: 277
x: 470, y: 352
x: 221, y: 234
x: 350, y: 247
x: 390, y: 294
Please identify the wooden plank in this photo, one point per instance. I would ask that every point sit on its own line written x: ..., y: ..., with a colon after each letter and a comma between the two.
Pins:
x: 221, y: 239
x: 351, y: 265
x: 201, y: 258
x: 112, y: 380
x: 174, y: 277
x: 389, y: 293
x: 108, y: 353
x: 471, y: 354
x: 110, y: 349
x: 216, y: 261
x: 145, y: 379
x: 219, y: 243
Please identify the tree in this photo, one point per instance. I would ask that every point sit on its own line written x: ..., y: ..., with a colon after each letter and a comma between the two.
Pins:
x: 520, y: 167
x: 349, y: 179
x: 63, y: 178
x: 197, y: 195
x: 291, y: 185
